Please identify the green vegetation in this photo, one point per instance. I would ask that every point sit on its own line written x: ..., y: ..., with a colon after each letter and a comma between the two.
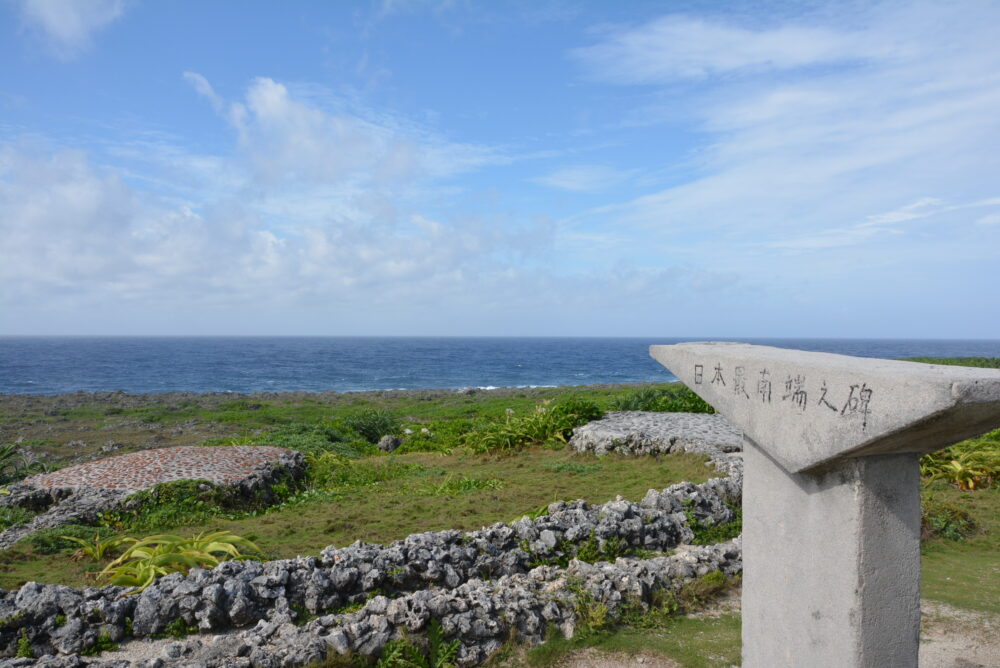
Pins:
x: 14, y: 465
x: 969, y: 465
x: 24, y: 650
x: 149, y: 558
x: 710, y: 534
x: 961, y: 516
x: 405, y: 654
x: 178, y: 629
x: 961, y: 546
x: 667, y: 399
x: 11, y: 517
x: 97, y: 548
x: 549, y: 425
x: 377, y: 499
x: 467, y: 460
x: 658, y: 627
x: 104, y: 643
x: 981, y: 362
x: 373, y: 424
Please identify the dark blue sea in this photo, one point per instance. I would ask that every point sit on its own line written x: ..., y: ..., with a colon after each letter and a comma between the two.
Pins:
x: 53, y: 365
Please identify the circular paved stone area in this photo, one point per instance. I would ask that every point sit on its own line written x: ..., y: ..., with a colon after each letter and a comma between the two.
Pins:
x: 644, y: 433
x: 141, y: 470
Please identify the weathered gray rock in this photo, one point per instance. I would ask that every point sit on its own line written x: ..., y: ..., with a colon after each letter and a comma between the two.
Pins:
x: 430, y: 575
x: 647, y: 433
x: 83, y: 505
x: 389, y: 443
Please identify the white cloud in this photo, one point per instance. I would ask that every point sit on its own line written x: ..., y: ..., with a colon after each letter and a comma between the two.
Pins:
x: 289, y: 138
x: 583, y: 178
x: 923, y: 207
x: 69, y: 25
x: 682, y: 47
x: 990, y: 219
x: 205, y: 89
x: 812, y: 163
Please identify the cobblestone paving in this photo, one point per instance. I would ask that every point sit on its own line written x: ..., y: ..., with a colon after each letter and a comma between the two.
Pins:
x: 141, y: 470
x: 644, y: 433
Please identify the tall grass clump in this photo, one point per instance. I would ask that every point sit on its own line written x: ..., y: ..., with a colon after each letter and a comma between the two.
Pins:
x: 316, y: 439
x: 331, y: 471
x: 548, y: 424
x: 373, y: 424
x: 662, y: 399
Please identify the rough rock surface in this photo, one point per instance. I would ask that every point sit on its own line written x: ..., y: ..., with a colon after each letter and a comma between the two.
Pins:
x: 389, y: 443
x: 645, y: 433
x: 79, y: 493
x: 135, y: 471
x: 482, y: 586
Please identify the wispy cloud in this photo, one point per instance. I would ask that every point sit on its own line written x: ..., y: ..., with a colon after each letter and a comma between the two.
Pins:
x: 814, y: 162
x: 68, y: 26
x: 584, y: 178
x: 683, y: 47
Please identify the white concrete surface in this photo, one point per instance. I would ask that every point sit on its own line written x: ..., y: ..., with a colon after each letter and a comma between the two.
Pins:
x: 831, y: 493
x: 809, y: 408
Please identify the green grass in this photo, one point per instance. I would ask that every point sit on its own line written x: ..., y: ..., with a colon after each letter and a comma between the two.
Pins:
x: 982, y: 362
x: 704, y: 642
x: 434, y: 482
x: 965, y: 573
x: 381, y: 499
x: 659, y: 628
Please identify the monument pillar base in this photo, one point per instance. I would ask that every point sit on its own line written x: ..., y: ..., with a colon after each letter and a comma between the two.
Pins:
x: 831, y: 563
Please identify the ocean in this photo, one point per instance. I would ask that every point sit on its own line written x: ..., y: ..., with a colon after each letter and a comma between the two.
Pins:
x: 55, y: 365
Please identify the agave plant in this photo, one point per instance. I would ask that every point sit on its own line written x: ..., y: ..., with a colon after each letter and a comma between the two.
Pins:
x: 147, y: 559
x: 10, y: 460
x: 97, y: 549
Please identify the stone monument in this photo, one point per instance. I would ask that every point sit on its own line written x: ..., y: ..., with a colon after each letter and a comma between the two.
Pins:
x: 831, y: 492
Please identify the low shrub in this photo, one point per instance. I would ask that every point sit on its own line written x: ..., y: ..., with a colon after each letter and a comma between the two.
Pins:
x: 404, y: 653
x: 24, y: 648
x: 372, y: 424
x: 662, y: 399
x: 710, y: 534
x: 547, y: 424
x: 969, y: 465
x: 53, y: 541
x: 696, y: 593
x: 104, y: 643
x: 185, y: 502
x: 331, y: 471
x: 945, y: 520
x: 436, y: 436
x: 13, y: 516
x: 316, y: 439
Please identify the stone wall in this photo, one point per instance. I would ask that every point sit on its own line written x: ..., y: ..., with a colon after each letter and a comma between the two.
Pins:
x: 481, y: 585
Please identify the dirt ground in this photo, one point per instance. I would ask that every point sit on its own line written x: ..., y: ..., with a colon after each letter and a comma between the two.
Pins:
x: 949, y: 638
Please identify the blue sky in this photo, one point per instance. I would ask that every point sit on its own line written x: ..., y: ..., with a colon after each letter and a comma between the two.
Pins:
x: 500, y: 168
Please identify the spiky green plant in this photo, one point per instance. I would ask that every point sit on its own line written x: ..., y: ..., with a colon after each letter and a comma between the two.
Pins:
x: 152, y: 557
x: 97, y: 549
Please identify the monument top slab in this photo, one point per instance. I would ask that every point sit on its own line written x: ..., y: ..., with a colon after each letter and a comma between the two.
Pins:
x: 807, y: 409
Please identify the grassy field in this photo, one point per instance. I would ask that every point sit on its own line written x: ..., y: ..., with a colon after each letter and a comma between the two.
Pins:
x: 468, y: 460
